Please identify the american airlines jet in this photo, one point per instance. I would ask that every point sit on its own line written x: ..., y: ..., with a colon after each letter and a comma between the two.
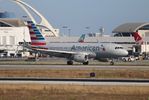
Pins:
x: 78, y: 52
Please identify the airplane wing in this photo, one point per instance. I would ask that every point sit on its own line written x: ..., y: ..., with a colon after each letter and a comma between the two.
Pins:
x: 56, y: 53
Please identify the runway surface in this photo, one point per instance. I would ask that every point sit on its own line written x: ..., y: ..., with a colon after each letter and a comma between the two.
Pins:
x: 81, y: 67
x: 111, y: 82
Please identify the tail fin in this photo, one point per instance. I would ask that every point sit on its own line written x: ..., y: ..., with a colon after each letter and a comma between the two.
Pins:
x: 81, y: 39
x: 138, y: 39
x: 37, y: 38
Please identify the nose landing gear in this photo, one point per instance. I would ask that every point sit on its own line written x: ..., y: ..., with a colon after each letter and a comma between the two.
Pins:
x: 111, y: 62
x: 86, y: 63
x: 70, y: 62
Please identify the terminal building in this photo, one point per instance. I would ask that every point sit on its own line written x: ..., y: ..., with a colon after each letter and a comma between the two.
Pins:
x: 12, y: 34
x: 14, y: 30
x: 127, y: 29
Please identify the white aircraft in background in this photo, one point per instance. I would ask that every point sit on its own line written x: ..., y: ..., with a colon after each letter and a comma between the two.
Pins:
x: 79, y: 52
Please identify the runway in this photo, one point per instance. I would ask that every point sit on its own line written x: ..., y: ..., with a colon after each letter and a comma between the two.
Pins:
x: 80, y: 67
x: 104, y: 82
x: 92, y: 81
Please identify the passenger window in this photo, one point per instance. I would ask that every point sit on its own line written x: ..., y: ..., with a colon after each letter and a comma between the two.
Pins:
x: 118, y: 47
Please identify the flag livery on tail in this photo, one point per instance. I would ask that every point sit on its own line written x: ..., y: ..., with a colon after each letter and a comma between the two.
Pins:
x: 37, y: 39
x: 138, y: 38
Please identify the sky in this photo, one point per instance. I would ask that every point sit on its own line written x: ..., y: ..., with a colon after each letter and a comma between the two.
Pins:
x: 79, y: 14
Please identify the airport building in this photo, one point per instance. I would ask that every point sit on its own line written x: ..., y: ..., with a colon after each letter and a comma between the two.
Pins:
x: 13, y: 30
x: 12, y: 34
x: 127, y: 29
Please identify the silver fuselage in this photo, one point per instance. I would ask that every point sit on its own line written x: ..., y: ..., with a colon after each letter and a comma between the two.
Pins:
x: 95, y: 50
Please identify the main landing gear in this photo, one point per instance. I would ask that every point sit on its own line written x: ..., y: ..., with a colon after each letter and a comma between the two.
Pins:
x: 86, y: 63
x: 111, y: 62
x: 70, y: 62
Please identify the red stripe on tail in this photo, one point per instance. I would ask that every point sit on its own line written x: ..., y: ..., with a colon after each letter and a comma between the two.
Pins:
x: 37, y: 44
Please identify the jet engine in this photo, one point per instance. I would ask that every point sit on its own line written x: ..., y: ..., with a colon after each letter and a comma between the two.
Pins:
x: 103, y: 59
x: 81, y: 58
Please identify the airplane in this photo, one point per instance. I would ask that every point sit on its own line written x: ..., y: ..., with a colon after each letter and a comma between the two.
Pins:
x: 78, y: 52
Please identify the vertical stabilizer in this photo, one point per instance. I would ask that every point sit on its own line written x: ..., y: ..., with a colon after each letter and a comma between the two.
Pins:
x: 37, y: 39
x: 81, y: 39
x: 138, y: 39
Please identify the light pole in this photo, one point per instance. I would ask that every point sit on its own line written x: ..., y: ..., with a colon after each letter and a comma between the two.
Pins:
x: 65, y: 27
x: 101, y: 30
x: 69, y: 32
x: 87, y: 28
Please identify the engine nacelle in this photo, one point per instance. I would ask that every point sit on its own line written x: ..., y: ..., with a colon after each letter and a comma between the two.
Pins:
x: 103, y: 59
x: 80, y: 58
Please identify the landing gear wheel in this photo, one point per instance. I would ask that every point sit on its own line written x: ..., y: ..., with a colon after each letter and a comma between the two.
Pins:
x: 86, y: 63
x: 112, y: 63
x: 69, y: 62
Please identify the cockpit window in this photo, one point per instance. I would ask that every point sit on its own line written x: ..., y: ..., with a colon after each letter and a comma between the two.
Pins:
x: 119, y: 48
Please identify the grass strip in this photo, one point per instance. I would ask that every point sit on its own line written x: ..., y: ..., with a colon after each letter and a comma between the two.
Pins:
x: 76, y: 73
x: 72, y: 92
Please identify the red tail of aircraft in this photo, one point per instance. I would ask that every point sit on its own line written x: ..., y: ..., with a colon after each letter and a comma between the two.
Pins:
x: 138, y: 39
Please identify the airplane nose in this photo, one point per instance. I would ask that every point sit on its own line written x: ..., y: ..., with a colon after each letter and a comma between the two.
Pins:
x: 125, y: 53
